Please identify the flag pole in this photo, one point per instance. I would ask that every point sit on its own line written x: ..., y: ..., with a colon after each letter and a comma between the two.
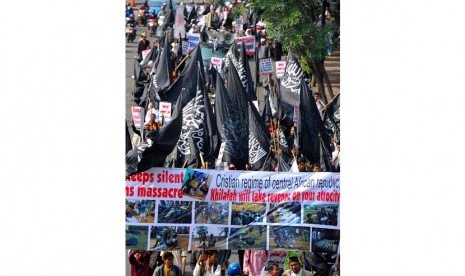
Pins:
x: 332, y: 100
x: 201, y: 159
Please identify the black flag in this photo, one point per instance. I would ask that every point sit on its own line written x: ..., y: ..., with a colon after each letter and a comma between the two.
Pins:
x: 163, y: 77
x: 163, y: 142
x: 128, y: 140
x: 290, y: 83
x: 185, y: 80
x: 259, y: 140
x: 308, y: 125
x: 236, y: 92
x: 246, y: 74
x: 332, y: 118
x: 185, y: 147
x: 230, y: 127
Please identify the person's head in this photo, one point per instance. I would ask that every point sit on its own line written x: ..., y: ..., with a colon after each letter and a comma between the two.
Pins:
x: 138, y: 254
x: 143, y: 35
x: 168, y: 259
x: 152, y: 117
x: 316, y: 96
x: 294, y: 264
x: 273, y: 269
x: 262, y: 41
x: 231, y: 166
x: 212, y: 256
x: 301, y: 164
x: 316, y: 168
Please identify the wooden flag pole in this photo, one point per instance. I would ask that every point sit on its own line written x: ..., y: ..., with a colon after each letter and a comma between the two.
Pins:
x: 201, y: 159
x: 332, y: 100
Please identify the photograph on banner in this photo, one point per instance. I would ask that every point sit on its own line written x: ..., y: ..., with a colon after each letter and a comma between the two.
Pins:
x: 195, y: 184
x: 321, y: 213
x: 325, y: 240
x: 140, y: 211
x: 169, y: 237
x: 137, y: 237
x: 207, y: 212
x: 289, y: 238
x: 209, y: 237
x: 248, y: 237
x: 246, y: 213
x: 171, y: 211
x: 286, y: 212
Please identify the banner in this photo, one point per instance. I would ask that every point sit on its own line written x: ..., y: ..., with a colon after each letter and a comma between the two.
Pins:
x: 266, y: 66
x: 193, y: 39
x: 136, y: 116
x: 145, y: 53
x: 165, y: 109
x: 249, y: 42
x: 280, y: 68
x: 213, y: 209
x: 217, y: 62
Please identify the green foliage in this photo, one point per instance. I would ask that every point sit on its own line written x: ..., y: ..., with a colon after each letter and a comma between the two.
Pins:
x: 295, y: 23
x: 236, y: 11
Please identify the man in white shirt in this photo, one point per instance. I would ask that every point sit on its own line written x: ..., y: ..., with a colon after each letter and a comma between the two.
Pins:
x: 296, y: 268
x: 320, y: 104
x: 207, y: 264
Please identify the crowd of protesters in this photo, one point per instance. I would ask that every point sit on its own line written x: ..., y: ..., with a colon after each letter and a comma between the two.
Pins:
x: 219, y: 263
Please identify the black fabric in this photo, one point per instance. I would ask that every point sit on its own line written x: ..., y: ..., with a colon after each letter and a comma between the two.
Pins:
x: 259, y: 140
x: 185, y: 83
x: 332, y: 118
x: 290, y: 83
x: 164, y: 140
x: 308, y: 125
x: 230, y: 127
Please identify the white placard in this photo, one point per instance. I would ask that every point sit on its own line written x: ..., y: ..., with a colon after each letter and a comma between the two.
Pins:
x: 165, y: 109
x: 280, y: 68
x: 136, y: 116
x: 266, y: 66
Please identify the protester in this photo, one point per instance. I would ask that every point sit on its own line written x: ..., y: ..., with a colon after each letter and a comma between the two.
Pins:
x: 168, y: 268
x: 207, y: 264
x: 320, y: 104
x: 254, y: 261
x: 179, y: 259
x: 296, y: 268
x: 139, y: 261
x: 144, y: 44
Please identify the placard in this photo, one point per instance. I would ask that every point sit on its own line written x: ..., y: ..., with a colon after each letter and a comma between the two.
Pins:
x: 249, y: 43
x: 145, y: 53
x: 193, y: 40
x: 280, y: 68
x: 266, y: 66
x: 136, y: 116
x: 165, y: 109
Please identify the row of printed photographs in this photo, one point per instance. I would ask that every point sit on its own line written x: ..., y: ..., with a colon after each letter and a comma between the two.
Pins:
x: 226, y: 213
x: 176, y: 237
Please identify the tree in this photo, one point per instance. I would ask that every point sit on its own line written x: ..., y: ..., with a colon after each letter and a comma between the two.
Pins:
x: 299, y: 25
